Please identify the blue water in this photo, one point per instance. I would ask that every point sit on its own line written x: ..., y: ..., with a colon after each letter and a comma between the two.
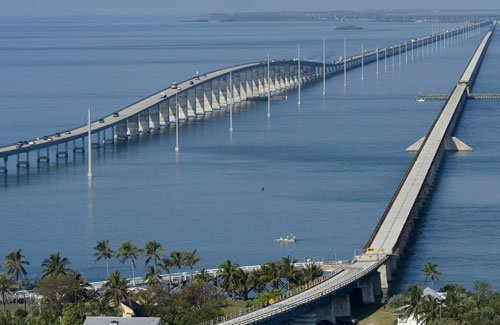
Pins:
x: 329, y: 168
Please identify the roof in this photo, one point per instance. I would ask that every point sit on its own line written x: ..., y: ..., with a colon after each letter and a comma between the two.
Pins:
x: 431, y: 292
x: 123, y: 321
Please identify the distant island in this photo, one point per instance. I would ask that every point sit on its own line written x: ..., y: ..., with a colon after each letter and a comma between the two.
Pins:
x: 349, y: 27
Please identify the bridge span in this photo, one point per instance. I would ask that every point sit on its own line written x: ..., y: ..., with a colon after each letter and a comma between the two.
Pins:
x: 203, y: 94
x: 372, y: 270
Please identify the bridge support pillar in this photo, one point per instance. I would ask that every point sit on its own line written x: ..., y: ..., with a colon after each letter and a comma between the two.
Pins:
x: 190, y: 102
x: 223, y: 84
x: 132, y: 126
x: 242, y: 86
x: 261, y: 82
x: 154, y: 117
x: 62, y: 153
x: 367, y: 293
x: 215, y: 93
x: 23, y: 163
x: 385, y: 273
x: 234, y: 90
x: 199, y: 100
x: 255, y: 82
x: 143, y: 121
x: 272, y: 73
x: 45, y: 158
x: 163, y: 112
x: 121, y: 132
x: 4, y: 167
x: 207, y: 96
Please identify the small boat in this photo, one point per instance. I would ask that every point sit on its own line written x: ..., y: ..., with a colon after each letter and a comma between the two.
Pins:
x: 420, y: 100
x: 288, y: 239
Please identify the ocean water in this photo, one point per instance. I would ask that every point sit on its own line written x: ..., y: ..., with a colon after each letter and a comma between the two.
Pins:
x: 329, y: 167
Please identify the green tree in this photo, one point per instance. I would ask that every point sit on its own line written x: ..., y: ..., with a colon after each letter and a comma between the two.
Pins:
x: 14, y: 263
x: 165, y: 265
x: 257, y: 281
x: 152, y: 276
x: 73, y: 314
x: 177, y: 259
x: 310, y: 272
x: 115, y: 289
x: 289, y: 271
x: 153, y: 252
x: 130, y: 252
x: 429, y: 271
x: 229, y: 277
x: 431, y: 309
x: 271, y: 272
x: 483, y: 290
x: 103, y: 250
x: 202, y: 276
x: 57, y: 290
x: 414, y: 300
x: 190, y: 259
x: 7, y: 286
x: 55, y: 265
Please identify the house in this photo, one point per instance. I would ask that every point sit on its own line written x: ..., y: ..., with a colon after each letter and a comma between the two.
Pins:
x: 411, y: 320
x: 123, y: 321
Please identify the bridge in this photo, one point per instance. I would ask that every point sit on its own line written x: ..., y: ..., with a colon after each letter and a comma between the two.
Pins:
x: 203, y: 94
x: 371, y: 271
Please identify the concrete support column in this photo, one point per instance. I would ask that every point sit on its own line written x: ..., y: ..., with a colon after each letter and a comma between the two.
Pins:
x: 199, y: 99
x: 341, y: 306
x: 288, y: 83
x: 4, y: 167
x: 255, y: 82
x: 121, y: 131
x: 191, y: 102
x: 223, y: 84
x: 235, y: 88
x: 23, y: 163
x: 272, y: 78
x: 282, y: 76
x: 154, y: 117
x: 132, y: 126
x: 59, y: 153
x: 207, y: 96
x: 143, y: 121
x: 215, y: 93
x: 243, y: 85
x: 385, y: 277
x: 164, y: 113
x: 276, y: 78
x: 262, y: 72
x: 248, y: 83
x: 182, y: 100
x: 366, y: 286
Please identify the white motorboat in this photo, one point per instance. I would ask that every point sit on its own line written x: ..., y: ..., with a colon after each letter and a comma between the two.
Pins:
x: 288, y: 239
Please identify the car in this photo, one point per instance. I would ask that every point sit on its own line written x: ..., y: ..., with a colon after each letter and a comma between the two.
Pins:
x: 101, y: 120
x: 173, y: 85
x: 20, y: 142
x: 191, y: 82
x: 18, y: 146
x: 67, y: 132
x: 31, y: 143
x: 163, y: 95
x: 25, y: 142
x: 58, y: 135
x: 116, y: 114
x: 45, y: 138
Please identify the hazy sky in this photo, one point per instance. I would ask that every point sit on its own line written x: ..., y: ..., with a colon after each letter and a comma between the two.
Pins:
x: 126, y: 7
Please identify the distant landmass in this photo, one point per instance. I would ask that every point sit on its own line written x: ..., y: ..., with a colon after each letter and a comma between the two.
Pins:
x: 349, y: 27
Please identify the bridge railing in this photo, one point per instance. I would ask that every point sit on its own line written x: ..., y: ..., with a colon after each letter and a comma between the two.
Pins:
x: 287, y: 308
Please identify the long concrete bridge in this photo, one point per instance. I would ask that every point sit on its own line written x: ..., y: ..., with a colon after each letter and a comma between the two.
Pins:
x: 371, y: 271
x: 203, y: 94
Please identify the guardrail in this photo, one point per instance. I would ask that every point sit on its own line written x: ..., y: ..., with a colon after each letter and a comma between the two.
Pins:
x: 292, y: 293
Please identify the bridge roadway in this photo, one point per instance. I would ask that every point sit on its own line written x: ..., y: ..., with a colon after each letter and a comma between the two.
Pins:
x: 211, y: 91
x: 392, y: 232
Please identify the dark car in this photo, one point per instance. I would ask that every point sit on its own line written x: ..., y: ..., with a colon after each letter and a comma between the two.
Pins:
x: 58, y: 134
x: 45, y: 138
x: 101, y: 120
x: 191, y: 82
x: 116, y: 114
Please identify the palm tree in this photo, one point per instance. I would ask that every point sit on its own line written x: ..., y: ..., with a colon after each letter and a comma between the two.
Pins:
x: 55, y: 265
x: 7, y: 285
x: 431, y: 309
x: 414, y: 299
x: 165, y: 265
x: 229, y: 276
x: 103, y: 250
x: 243, y: 279
x: 272, y: 274
x: 257, y: 281
x: 14, y: 262
x: 203, y: 276
x: 152, y: 276
x: 115, y: 289
x: 429, y: 270
x: 190, y: 259
x: 289, y: 271
x: 311, y: 272
x: 129, y: 251
x: 152, y: 252
x: 177, y: 259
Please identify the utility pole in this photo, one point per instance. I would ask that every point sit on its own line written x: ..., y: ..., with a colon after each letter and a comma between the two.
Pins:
x: 298, y: 51
x: 176, y: 123
x: 345, y: 64
x: 268, y: 88
x: 232, y: 102
x: 89, y: 125
x: 362, y: 62
x: 324, y: 69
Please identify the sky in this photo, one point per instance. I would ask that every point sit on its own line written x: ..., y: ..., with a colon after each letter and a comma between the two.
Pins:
x: 161, y: 7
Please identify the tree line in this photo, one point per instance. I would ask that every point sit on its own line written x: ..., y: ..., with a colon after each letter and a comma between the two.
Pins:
x: 67, y: 298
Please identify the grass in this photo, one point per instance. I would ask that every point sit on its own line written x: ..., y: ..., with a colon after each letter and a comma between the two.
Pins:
x: 233, y: 306
x: 374, y: 314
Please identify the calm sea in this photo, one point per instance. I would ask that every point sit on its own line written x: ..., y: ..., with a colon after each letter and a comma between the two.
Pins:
x: 329, y: 167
